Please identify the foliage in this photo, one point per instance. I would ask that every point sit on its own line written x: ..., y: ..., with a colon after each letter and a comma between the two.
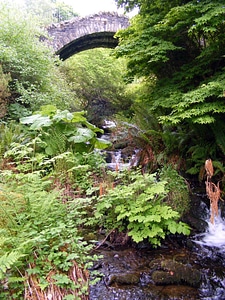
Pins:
x: 129, y: 4
x: 63, y: 11
x: 40, y: 243
x: 35, y: 78
x: 139, y: 206
x: 97, y: 80
x: 178, y: 47
x: 178, y: 195
x: 58, y: 143
x: 4, y: 92
x: 9, y: 133
x: 61, y: 131
x: 45, y: 11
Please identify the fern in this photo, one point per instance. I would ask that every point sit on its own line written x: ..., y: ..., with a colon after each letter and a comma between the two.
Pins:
x: 42, y: 233
x: 56, y: 142
x: 8, y: 260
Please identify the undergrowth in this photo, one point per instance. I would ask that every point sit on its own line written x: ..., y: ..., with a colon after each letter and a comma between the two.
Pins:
x: 41, y: 250
x: 139, y: 206
x: 50, y: 199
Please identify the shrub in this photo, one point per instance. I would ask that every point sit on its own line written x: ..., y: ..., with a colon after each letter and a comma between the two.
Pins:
x: 40, y: 244
x: 178, y: 195
x: 139, y: 206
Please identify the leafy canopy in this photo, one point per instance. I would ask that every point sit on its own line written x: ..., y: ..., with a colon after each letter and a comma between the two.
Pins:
x: 182, y: 44
x: 96, y: 78
x: 35, y: 78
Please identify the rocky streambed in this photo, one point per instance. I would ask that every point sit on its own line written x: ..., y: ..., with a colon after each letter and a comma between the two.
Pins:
x: 147, y: 274
x: 182, y: 268
x: 162, y: 274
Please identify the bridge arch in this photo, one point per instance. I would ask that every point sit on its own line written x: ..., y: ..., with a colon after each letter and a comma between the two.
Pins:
x: 72, y: 36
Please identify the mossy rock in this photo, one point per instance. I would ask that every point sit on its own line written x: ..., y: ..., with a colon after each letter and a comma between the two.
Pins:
x: 124, y: 278
x: 168, y: 271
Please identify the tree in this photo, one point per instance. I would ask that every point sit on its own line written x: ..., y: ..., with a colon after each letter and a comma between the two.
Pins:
x: 49, y: 11
x: 63, y: 11
x: 35, y: 78
x: 179, y: 47
x: 97, y: 80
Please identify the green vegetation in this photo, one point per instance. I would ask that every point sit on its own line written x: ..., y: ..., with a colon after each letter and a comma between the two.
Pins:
x: 98, y: 83
x: 41, y: 248
x: 35, y: 78
x: 176, y: 48
x: 167, y: 91
x: 139, y: 205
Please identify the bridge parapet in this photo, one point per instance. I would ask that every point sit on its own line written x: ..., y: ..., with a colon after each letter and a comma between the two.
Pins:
x: 104, y: 25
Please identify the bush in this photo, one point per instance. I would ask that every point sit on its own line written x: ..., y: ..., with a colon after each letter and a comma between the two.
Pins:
x: 178, y: 196
x: 40, y: 243
x: 138, y: 205
x: 35, y: 78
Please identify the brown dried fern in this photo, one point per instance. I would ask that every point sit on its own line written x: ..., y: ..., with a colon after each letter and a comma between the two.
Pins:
x: 78, y: 275
x: 213, y: 191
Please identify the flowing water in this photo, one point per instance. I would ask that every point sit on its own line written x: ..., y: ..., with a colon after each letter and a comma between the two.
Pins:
x: 211, y: 253
x: 214, y: 236
x: 128, y: 273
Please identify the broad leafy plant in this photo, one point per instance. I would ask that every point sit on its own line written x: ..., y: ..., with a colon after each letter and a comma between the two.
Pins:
x: 53, y: 137
x: 62, y: 131
x: 140, y: 207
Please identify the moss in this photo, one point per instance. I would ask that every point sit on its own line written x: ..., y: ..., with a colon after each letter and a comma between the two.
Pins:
x: 172, y: 272
x: 124, y: 278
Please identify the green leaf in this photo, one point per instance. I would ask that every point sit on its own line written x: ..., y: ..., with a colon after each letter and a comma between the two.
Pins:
x: 37, y: 121
x: 8, y: 260
x: 82, y: 135
x: 64, y: 115
x: 78, y: 117
x: 48, y: 110
x: 152, y: 218
x: 172, y: 226
x: 101, y: 143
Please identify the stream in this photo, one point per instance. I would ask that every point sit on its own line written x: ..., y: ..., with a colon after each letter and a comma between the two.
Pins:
x: 129, y: 273
x: 181, y: 268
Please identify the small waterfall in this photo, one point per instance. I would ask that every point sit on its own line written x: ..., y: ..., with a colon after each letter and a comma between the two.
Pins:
x: 116, y: 161
x: 211, y: 244
x: 215, y: 235
x: 210, y: 249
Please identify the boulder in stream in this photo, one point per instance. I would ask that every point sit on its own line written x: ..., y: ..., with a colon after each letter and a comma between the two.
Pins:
x: 168, y: 271
x: 124, y: 278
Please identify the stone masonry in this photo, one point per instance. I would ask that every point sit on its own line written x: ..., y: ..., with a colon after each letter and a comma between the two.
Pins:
x: 82, y: 33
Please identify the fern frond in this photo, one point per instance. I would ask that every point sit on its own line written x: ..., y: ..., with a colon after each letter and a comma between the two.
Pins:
x: 3, y: 239
x: 8, y: 260
x: 56, y: 142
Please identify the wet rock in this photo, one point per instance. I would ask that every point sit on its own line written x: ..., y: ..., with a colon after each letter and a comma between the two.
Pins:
x: 178, y: 292
x: 123, y: 278
x: 168, y: 271
x: 198, y: 213
x: 198, y: 224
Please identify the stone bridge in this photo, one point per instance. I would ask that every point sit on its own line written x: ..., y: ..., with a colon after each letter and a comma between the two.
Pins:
x: 82, y: 33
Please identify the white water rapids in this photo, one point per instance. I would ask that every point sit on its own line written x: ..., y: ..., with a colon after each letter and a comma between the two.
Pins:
x: 214, y: 236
